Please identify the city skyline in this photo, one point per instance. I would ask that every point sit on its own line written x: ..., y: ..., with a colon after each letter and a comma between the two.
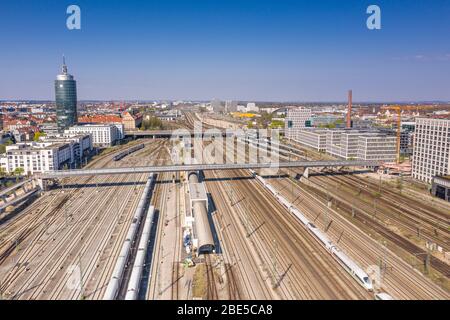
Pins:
x: 262, y: 51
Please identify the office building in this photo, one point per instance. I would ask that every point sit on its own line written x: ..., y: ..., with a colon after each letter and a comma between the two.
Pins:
x: 431, y: 149
x: 377, y: 147
x: 66, y: 99
x: 103, y: 135
x: 297, y: 118
x: 316, y: 139
x: 441, y: 187
x: 343, y: 143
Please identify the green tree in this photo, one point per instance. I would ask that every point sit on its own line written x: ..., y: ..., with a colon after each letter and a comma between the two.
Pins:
x: 18, y: 172
x: 38, y: 134
x: 153, y: 123
x: 277, y: 124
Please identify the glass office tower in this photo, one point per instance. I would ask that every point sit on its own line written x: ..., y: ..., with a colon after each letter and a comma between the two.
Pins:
x: 66, y: 99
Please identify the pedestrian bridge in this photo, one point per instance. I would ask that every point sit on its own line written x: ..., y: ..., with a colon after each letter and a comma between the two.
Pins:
x: 196, y: 167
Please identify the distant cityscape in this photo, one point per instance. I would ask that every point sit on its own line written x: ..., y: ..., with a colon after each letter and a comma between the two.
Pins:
x: 42, y: 136
x: 348, y: 162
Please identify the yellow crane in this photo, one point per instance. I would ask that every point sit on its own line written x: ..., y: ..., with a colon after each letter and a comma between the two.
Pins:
x: 399, y: 109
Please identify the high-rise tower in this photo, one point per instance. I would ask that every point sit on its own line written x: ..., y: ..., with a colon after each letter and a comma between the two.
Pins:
x: 66, y: 99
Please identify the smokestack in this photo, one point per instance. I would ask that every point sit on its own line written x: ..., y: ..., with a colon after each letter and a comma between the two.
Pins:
x: 349, y: 110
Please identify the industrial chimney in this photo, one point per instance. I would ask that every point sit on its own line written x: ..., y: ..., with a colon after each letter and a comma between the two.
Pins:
x: 349, y: 110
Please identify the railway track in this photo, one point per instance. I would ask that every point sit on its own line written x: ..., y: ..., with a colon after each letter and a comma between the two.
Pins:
x: 399, y: 279
x: 96, y: 287
x: 236, y: 249
x: 177, y: 249
x: 154, y: 289
x: 31, y: 253
x: 232, y: 284
x: 298, y: 267
x: 317, y: 275
x: 401, y: 210
x: 408, y: 215
x: 92, y: 232
x: 20, y: 221
x: 159, y: 151
x: 212, y: 293
x: 374, y: 224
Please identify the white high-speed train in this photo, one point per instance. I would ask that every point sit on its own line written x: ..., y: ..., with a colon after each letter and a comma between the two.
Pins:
x: 351, y: 267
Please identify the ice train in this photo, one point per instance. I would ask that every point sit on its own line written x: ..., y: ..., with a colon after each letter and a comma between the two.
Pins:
x: 347, y: 263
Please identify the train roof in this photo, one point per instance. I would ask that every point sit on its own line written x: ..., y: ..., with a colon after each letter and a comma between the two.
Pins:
x: 197, y: 192
x: 349, y: 262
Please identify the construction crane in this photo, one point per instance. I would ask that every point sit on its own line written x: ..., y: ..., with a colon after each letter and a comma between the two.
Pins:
x: 399, y: 109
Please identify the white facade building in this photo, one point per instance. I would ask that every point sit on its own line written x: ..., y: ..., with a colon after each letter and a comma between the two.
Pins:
x: 316, y: 139
x: 241, y: 108
x: 361, y: 145
x: 231, y: 106
x: 296, y: 121
x: 251, y: 107
x: 351, y: 144
x: 343, y: 143
x: 37, y: 157
x: 377, y: 147
x: 51, y: 153
x: 81, y: 145
x: 103, y: 135
x: 431, y: 149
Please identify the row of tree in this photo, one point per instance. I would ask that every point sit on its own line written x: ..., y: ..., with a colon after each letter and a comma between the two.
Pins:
x: 153, y: 123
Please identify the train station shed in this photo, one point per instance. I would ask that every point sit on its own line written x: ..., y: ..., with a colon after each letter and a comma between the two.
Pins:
x: 197, y: 193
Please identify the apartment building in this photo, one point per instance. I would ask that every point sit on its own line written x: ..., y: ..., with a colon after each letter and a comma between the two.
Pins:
x: 37, y: 157
x: 103, y: 135
x: 51, y: 153
x: 131, y: 121
x: 297, y: 119
x: 81, y: 145
x: 431, y: 149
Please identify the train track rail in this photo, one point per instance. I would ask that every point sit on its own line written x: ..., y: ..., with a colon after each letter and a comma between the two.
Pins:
x: 373, y: 223
x: 89, y: 226
x: 398, y: 278
x: 212, y: 292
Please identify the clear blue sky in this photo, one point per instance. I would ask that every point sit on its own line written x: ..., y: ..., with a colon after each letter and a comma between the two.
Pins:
x: 245, y: 50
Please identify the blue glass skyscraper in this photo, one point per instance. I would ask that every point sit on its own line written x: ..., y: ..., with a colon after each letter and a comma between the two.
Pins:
x: 66, y: 99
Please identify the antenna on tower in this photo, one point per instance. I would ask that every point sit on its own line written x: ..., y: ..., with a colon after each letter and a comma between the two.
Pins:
x: 64, y: 67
